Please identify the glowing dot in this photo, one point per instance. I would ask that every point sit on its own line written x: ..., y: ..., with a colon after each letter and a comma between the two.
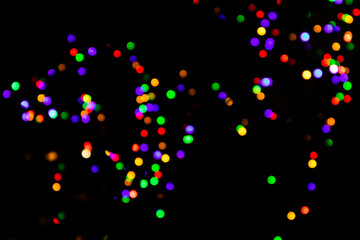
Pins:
x: 242, y: 131
x: 260, y: 14
x: 119, y: 166
x: 25, y: 104
x: 189, y: 129
x: 271, y: 180
x: 261, y: 31
x: 254, y: 42
x: 51, y: 72
x: 326, y: 128
x: 330, y: 121
x: 56, y: 187
x: 52, y: 113
x: 154, y: 82
x: 79, y: 57
x: 154, y: 181
x: 305, y: 37
x: 180, y: 154
x: 272, y: 16
x: 73, y: 52
x: 292, y: 37
x: 311, y: 186
x: 291, y: 215
x: 58, y: 176
x: 130, y: 45
x: 262, y: 53
x: 269, y: 44
x: 15, y: 86
x: 347, y: 86
x: 131, y: 175
x: 94, y: 168
x: 277, y: 238
x: 92, y: 51
x: 268, y: 113
x: 117, y: 53
x: 61, y: 215
x: 183, y: 73
x: 284, y: 58
x: 312, y: 163
x: 86, y: 153
x: 138, y: 161
x: 170, y: 94
x: 160, y: 120
x: 160, y: 213
x: 317, y: 73
x: 70, y: 38
x: 187, y: 139
x: 165, y: 158
x: 260, y: 96
x: 215, y: 86
x: 144, y: 183
x: 313, y: 155
x: 335, y: 46
x: 306, y: 74
x: 256, y: 89
x: 304, y: 210
x: 133, y: 194
x: 240, y: 18
x: 317, y: 28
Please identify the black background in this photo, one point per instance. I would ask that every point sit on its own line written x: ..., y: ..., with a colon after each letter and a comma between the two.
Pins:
x: 221, y: 184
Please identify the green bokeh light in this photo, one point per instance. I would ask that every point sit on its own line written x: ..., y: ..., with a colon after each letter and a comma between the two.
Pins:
x: 61, y: 215
x: 170, y: 94
x: 329, y: 142
x: 125, y: 199
x: 144, y: 183
x: 160, y: 120
x: 154, y: 181
x: 64, y: 115
x: 15, y: 86
x: 256, y: 89
x: 155, y: 167
x: 347, y: 85
x: 79, y: 57
x: 61, y: 166
x: 271, y: 180
x: 160, y: 213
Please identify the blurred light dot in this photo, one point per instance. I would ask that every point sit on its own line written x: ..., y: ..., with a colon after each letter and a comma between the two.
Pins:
x: 92, y: 51
x: 25, y: 104
x: 271, y: 180
x: 304, y: 210
x: 15, y: 86
x: 261, y: 31
x: 305, y: 37
x: 170, y: 94
x: 312, y: 163
x: 311, y: 186
x: 317, y: 73
x: 317, y: 28
x: 56, y: 187
x: 94, y: 168
x: 52, y: 113
x: 240, y: 18
x: 160, y: 213
x: 86, y: 153
x: 180, y: 154
x: 70, y: 38
x: 306, y: 74
x: 130, y: 45
x: 272, y: 16
x: 291, y: 215
x: 189, y: 129
x: 51, y: 72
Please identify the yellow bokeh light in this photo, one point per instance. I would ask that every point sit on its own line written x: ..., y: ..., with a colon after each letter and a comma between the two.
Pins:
x: 107, y: 153
x: 86, y: 153
x: 56, y: 187
x: 292, y: 37
x: 154, y: 82
x: 317, y: 28
x: 145, y: 97
x: 330, y: 121
x: 336, y: 46
x: 162, y: 145
x: 291, y: 215
x: 165, y: 158
x: 40, y: 97
x: 138, y: 161
x: 261, y: 31
x: 306, y: 74
x: 312, y: 163
x: 183, y: 73
x: 242, y: 131
x: 260, y: 96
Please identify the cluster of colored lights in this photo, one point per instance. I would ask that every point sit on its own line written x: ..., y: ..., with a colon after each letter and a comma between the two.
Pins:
x: 258, y: 84
x: 215, y: 86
